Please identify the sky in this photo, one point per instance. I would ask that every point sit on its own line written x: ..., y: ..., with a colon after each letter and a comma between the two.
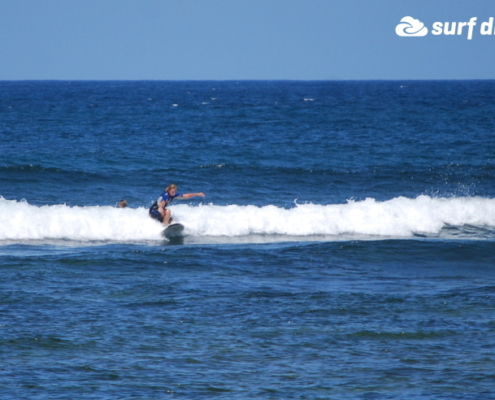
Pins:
x: 244, y: 40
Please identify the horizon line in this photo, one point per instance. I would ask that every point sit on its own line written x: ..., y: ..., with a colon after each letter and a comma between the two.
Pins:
x: 253, y: 80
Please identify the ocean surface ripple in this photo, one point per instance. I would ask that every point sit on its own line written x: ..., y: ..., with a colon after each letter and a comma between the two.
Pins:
x: 344, y: 250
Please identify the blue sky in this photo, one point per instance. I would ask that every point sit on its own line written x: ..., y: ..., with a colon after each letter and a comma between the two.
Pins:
x: 234, y: 39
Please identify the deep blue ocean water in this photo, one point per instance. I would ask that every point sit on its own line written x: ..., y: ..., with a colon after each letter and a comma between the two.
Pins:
x: 345, y: 248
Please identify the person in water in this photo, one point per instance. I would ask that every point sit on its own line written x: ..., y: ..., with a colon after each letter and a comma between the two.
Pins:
x: 159, y: 210
x: 122, y: 204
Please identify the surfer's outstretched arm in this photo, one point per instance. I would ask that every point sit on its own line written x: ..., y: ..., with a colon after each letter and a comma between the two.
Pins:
x: 189, y: 195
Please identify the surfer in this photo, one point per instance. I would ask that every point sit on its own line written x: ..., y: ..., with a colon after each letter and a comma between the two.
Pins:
x: 159, y: 210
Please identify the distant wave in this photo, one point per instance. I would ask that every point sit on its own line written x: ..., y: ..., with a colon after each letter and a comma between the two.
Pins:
x: 396, y: 218
x: 25, y: 168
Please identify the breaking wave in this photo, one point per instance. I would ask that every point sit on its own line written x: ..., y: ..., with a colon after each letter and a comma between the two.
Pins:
x: 396, y: 218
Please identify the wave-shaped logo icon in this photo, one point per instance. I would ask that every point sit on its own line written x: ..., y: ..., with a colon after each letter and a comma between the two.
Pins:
x: 409, y: 27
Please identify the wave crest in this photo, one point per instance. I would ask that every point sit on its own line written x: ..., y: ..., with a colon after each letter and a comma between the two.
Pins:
x: 396, y: 218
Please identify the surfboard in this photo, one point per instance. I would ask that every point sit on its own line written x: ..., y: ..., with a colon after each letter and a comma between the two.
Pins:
x: 173, y: 231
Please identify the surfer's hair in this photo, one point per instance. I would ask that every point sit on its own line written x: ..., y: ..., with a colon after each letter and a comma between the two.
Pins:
x: 170, y: 187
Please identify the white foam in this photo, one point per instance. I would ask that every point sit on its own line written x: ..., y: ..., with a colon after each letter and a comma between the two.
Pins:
x: 399, y: 217
x: 396, y: 218
x: 22, y: 221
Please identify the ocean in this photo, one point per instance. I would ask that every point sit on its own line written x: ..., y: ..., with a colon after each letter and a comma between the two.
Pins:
x: 345, y: 248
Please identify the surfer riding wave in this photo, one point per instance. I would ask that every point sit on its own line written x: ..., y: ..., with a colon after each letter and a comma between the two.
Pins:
x: 159, y: 210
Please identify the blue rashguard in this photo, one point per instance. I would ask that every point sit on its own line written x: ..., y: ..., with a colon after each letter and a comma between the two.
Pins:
x: 154, y: 213
x: 167, y: 198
